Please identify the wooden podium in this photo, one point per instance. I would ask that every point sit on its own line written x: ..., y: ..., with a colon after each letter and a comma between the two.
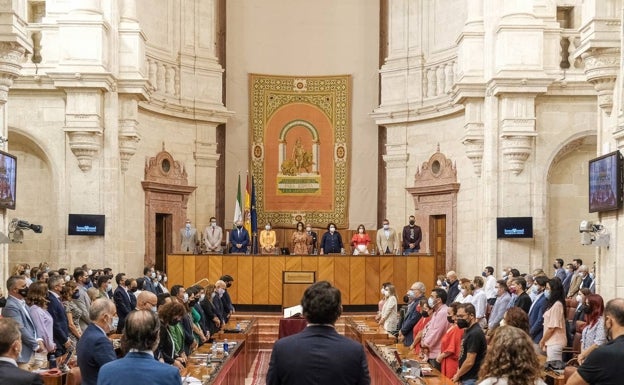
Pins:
x: 293, y: 286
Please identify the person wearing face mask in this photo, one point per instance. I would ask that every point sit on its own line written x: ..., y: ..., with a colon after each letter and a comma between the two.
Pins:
x: 121, y: 297
x: 473, y: 345
x: 360, y: 241
x: 312, y: 239
x: 577, y: 277
x: 536, y: 312
x: 559, y: 270
x: 10, y: 351
x: 103, y: 284
x: 171, y: 342
x: 451, y: 343
x: 593, y: 334
x: 95, y: 348
x: 412, y: 315
x: 479, y: 301
x: 432, y: 337
x: 299, y: 240
x: 412, y: 236
x: 490, y: 284
x: 239, y: 239
x: 387, y: 239
x: 213, y: 236
x: 228, y: 307
x: 188, y: 237
x: 212, y: 320
x: 389, y: 316
x: 604, y: 364
x: 218, y: 293
x: 69, y: 295
x: 179, y: 294
x: 417, y: 332
x: 522, y: 299
x: 148, y: 274
x: 60, y: 328
x: 453, y: 286
x: 569, y: 271
x: 382, y: 300
x: 268, y: 239
x: 331, y: 242
x: 554, y: 338
x: 503, y: 300
x: 84, y: 301
x: 195, y: 316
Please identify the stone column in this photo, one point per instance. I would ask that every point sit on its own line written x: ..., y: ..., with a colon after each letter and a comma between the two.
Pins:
x: 128, y: 11
x: 396, y: 159
x: 206, y: 158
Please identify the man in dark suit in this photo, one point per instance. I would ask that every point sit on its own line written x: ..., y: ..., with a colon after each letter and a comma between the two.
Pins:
x: 318, y: 354
x: 239, y: 238
x: 412, y: 316
x: 148, y: 274
x: 228, y: 307
x: 536, y: 311
x: 60, y: 328
x: 10, y: 349
x: 16, y: 309
x: 94, y: 349
x: 139, y: 365
x: 122, y: 299
x: 312, y: 239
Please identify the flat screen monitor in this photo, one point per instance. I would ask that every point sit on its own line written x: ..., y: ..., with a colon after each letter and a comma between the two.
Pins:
x: 8, y: 175
x: 605, y: 182
x: 86, y: 224
x: 514, y: 227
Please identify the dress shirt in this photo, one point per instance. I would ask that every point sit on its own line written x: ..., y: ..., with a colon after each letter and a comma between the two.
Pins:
x: 435, y: 330
x: 498, y: 311
x: 490, y: 287
x: 9, y: 360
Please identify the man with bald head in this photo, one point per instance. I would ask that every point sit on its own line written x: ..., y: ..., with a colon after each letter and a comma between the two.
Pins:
x: 94, y: 349
x: 147, y: 301
x: 453, y: 286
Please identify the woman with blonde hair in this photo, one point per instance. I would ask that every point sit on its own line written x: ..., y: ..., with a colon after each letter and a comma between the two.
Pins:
x: 268, y: 240
x: 389, y: 316
x: 510, y: 360
x: 37, y: 299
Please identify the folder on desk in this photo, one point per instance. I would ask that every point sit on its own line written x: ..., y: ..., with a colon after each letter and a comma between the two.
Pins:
x: 293, y: 311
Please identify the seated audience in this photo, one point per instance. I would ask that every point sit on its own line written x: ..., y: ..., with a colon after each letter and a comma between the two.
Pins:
x: 510, y: 360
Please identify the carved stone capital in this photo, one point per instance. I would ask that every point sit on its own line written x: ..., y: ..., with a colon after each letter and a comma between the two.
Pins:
x: 85, y: 145
x: 516, y: 150
x: 601, y: 69
x: 11, y: 58
x: 474, y: 151
x: 129, y: 139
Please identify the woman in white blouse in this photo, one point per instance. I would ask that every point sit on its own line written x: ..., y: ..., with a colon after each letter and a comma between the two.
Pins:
x: 593, y: 333
x: 389, y: 316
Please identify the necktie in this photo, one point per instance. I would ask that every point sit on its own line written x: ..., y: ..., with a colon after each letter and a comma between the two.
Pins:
x: 213, y: 231
x: 188, y: 232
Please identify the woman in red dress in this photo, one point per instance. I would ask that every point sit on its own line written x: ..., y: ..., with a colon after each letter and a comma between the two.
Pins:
x: 360, y: 241
x: 451, y: 344
x: 425, y: 312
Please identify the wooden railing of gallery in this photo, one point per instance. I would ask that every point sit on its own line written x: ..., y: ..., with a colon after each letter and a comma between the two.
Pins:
x: 258, y: 278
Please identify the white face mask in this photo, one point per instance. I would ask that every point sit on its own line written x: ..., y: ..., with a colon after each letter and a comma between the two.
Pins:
x: 361, y: 231
x: 188, y: 226
x: 153, y: 275
x: 383, y: 291
x: 578, y: 298
x: 332, y: 229
x: 386, y: 226
x: 201, y: 297
x: 213, y: 224
x: 67, y: 278
x: 154, y: 309
x: 185, y: 298
x: 109, y: 287
x: 267, y: 227
x: 159, y: 278
x: 308, y: 229
x: 164, y: 279
x: 90, y: 272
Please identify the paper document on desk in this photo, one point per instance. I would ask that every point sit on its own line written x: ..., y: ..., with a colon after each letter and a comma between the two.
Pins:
x: 292, y: 311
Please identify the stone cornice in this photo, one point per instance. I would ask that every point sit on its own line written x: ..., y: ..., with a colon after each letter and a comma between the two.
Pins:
x: 99, y: 80
x: 400, y: 114
x: 504, y: 83
x: 218, y: 114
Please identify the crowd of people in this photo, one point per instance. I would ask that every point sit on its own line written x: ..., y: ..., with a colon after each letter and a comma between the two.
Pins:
x: 59, y: 312
x: 452, y: 325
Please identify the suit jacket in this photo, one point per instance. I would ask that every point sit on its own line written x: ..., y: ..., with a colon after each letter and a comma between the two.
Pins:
x: 317, y: 355
x: 212, y: 239
x: 575, y: 285
x: 313, y: 240
x: 14, y: 309
x: 218, y: 308
x: 84, y: 304
x: 123, y: 302
x: 94, y: 349
x: 11, y: 374
x: 138, y: 368
x: 209, y: 310
x: 148, y: 284
x: 188, y: 242
x: 411, y: 318
x: 566, y: 282
x: 60, y: 328
x: 536, y: 319
x: 407, y: 239
x: 237, y: 237
x: 390, y: 243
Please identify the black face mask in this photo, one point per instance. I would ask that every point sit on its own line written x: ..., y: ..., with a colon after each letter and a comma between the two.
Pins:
x: 174, y: 322
x: 239, y: 227
x: 424, y: 313
x: 586, y: 309
x: 555, y: 266
x: 412, y: 222
x: 449, y: 319
x: 228, y: 284
x: 406, y: 298
x: 2, y: 302
x: 76, y: 295
x: 463, y: 323
x: 23, y: 292
x: 192, y: 302
x: 133, y: 289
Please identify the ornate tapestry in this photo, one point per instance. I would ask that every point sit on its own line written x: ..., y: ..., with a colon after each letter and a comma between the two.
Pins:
x: 300, y: 137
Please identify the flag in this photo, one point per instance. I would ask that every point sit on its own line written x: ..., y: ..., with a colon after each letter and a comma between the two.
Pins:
x: 254, y: 218
x: 247, y: 213
x: 238, y: 214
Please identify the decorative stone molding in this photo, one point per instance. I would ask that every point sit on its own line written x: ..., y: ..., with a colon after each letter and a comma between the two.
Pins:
x: 128, y: 135
x: 11, y: 58
x: 601, y: 69
x: 474, y: 138
x: 516, y: 149
x: 474, y: 151
x: 396, y: 156
x: 85, y: 144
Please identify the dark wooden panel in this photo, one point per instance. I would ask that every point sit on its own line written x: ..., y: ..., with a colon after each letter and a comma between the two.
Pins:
x: 400, y: 277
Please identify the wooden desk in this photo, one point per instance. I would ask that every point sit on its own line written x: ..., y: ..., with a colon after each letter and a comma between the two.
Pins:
x: 259, y: 281
x: 364, y: 329
x: 290, y: 326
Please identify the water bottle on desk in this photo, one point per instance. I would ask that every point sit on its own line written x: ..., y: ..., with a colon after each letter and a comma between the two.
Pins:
x: 51, y: 361
x: 226, y: 348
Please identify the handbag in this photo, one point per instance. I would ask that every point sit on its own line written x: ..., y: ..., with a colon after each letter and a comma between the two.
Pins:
x: 555, y: 365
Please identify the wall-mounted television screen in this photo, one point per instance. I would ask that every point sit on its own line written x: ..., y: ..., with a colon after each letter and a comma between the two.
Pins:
x: 605, y: 182
x: 514, y: 227
x: 8, y: 175
x: 86, y: 224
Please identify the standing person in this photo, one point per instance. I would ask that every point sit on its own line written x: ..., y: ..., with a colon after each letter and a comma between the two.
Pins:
x: 604, y: 365
x: 473, y: 345
x: 554, y: 338
x: 500, y: 306
x: 94, y: 348
x: 577, y: 277
x: 453, y: 286
x: 299, y: 240
x: 60, y: 329
x: 239, y: 238
x: 510, y: 360
x: 479, y: 301
x: 10, y: 349
x: 148, y: 274
x: 318, y: 354
x: 387, y: 239
x: 38, y: 305
x: 360, y: 241
x: 412, y: 236
x: 419, y: 328
x: 536, y: 312
x: 415, y: 294
x: 331, y: 243
x: 140, y: 339
x: 81, y: 277
x: 559, y: 270
x: 268, y: 240
x: 188, y: 238
x: 523, y: 300
x: 568, y: 279
x: 121, y: 296
x: 432, y: 337
x: 490, y: 285
x: 593, y: 334
x: 451, y: 344
x: 312, y: 240
x: 228, y: 307
x: 389, y: 316
x: 69, y: 294
x: 213, y: 236
x: 16, y: 309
